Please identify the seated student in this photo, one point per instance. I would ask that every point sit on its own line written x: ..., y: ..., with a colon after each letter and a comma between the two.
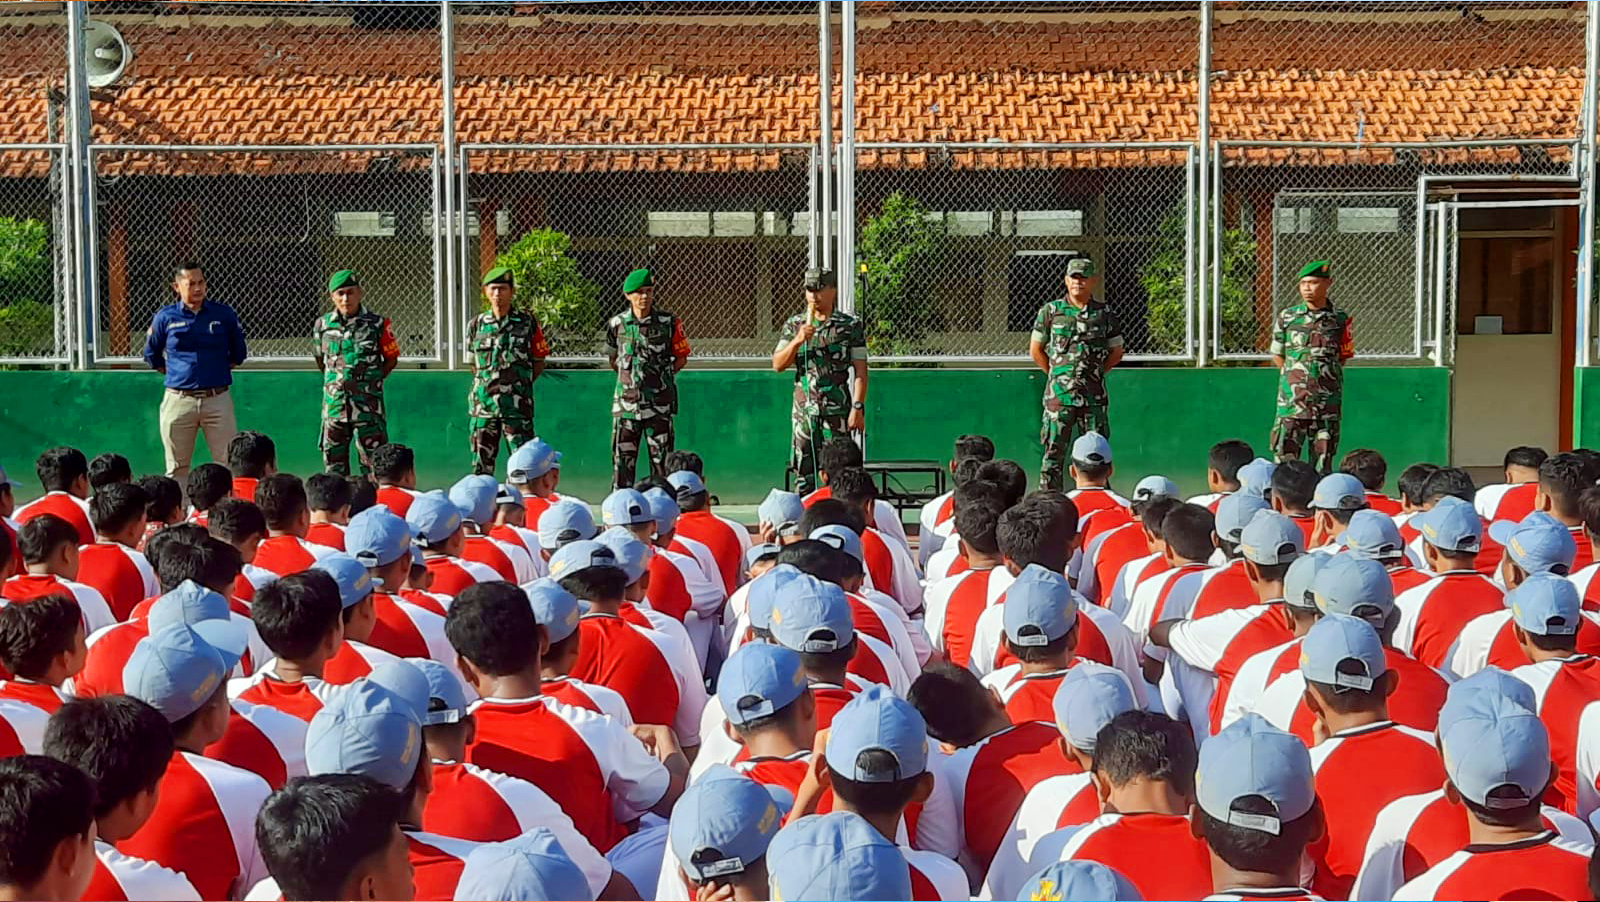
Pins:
x: 601, y: 775
x: 875, y: 764
x: 42, y: 646
x: 1299, y: 612
x: 203, y: 822
x: 394, y: 466
x: 46, y: 829
x: 763, y: 693
x: 1090, y: 697
x: 50, y: 561
x: 838, y: 856
x: 328, y: 495
x: 475, y: 497
x: 381, y: 542
x: 531, y: 866
x: 948, y: 561
x: 1413, y: 485
x: 438, y: 524
x: 1115, y: 542
x: 1187, y: 543
x: 1539, y: 544
x: 665, y: 512
x: 1338, y: 497
x: 354, y: 658
x: 1091, y: 469
x: 812, y: 618
x: 558, y: 611
x: 535, y: 470
x: 1225, y: 585
x: 1375, y: 536
x: 1546, y: 612
x: 1041, y: 627
x: 241, y: 524
x: 678, y: 584
x: 108, y: 469
x: 206, y: 485
x: 778, y: 516
x: 1514, y: 498
x: 1294, y: 483
x: 890, y: 567
x: 1562, y: 481
x: 938, y: 513
x: 1222, y: 471
x: 112, y: 564
x: 890, y: 655
x: 1372, y: 470
x: 953, y: 605
x: 1451, y: 482
x: 1433, y: 614
x: 1497, y: 758
x: 300, y: 620
x: 717, y: 839
x: 1584, y: 578
x: 64, y: 476
x: 125, y: 747
x: 841, y: 453
x: 1119, y: 572
x: 163, y: 505
x: 252, y: 457
x: 336, y: 836
x: 727, y: 540
x: 285, y: 550
x: 511, y: 527
x: 1348, y: 684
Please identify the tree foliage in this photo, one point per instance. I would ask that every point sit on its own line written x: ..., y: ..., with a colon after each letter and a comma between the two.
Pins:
x: 897, y: 250
x: 550, y: 284
x: 1163, y: 281
x: 27, y: 323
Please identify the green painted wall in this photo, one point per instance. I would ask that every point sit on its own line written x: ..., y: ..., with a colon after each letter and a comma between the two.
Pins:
x: 1164, y: 420
x: 1586, y: 407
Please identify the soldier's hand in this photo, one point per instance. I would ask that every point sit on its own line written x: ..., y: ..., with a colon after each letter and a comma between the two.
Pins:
x: 857, y: 421
x: 806, y: 333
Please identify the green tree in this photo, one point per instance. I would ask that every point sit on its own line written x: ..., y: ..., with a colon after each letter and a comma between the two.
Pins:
x: 550, y: 284
x: 27, y: 322
x: 897, y: 249
x: 1163, y: 281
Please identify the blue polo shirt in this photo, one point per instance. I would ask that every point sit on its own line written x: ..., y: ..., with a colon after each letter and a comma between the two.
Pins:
x: 198, y: 350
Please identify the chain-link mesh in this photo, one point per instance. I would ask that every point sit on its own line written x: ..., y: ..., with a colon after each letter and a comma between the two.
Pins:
x: 269, y: 226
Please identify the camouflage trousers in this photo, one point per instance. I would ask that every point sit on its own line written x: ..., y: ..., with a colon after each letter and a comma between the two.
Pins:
x: 1317, y: 437
x: 487, y: 433
x: 809, y: 432
x: 368, y: 430
x: 1062, y: 428
x: 625, y: 437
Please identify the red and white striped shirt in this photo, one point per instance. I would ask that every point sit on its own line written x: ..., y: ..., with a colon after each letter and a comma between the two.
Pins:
x: 1415, y: 703
x: 328, y: 535
x: 728, y: 541
x: 1172, y: 587
x: 263, y: 740
x: 1505, y: 501
x: 123, y: 576
x: 954, y: 606
x: 453, y: 574
x: 1132, y: 575
x: 301, y: 699
x: 65, y: 505
x: 992, y: 777
x: 1053, y: 803
x: 22, y: 728
x: 1433, y: 614
x: 284, y: 555
x: 1158, y: 853
x: 1588, y: 586
x: 1489, y: 641
x: 92, y: 605
x: 121, y: 878
x: 1382, y: 503
x: 397, y: 499
x: 1105, y: 556
x: 891, y: 570
x: 490, y: 553
x: 1101, y: 637
x: 1547, y: 866
x: 1095, y: 497
x: 353, y: 661
x: 110, y: 648
x: 1027, y: 696
x: 656, y: 675
x: 43, y: 696
x: 934, y: 514
x: 1562, y: 689
x: 945, y: 563
x: 1220, y: 645
x: 407, y: 630
x: 590, y: 697
x: 437, y: 862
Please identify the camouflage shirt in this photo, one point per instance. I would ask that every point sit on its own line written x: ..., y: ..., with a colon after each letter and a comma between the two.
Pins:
x: 352, y: 352
x: 1078, y: 341
x: 645, y: 351
x: 502, y: 353
x: 1314, y: 345
x: 822, y: 365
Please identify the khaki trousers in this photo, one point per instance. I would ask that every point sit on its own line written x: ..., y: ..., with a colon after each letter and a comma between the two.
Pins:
x: 183, y: 417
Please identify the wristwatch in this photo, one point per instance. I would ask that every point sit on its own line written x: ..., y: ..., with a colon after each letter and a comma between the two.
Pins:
x: 858, y: 406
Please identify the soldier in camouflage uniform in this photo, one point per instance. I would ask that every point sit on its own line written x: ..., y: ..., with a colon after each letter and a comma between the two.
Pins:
x: 824, y: 346
x: 507, y: 349
x: 1076, y: 341
x: 356, y: 350
x: 646, y: 347
x: 1310, y: 344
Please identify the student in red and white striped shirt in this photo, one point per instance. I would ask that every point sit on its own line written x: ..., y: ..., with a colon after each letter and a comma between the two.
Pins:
x: 163, y: 505
x: 1294, y: 484
x: 1122, y: 559
x: 300, y: 620
x: 938, y: 513
x: 1512, y: 499
x: 1433, y: 614
x: 328, y: 495
x: 111, y: 563
x: 511, y: 528
x: 1041, y: 632
x: 1223, y: 462
x: 282, y: 499
x: 438, y: 524
x: 42, y: 645
x: 954, y: 605
x: 765, y: 695
x: 557, y: 611
x: 252, y: 457
x: 64, y: 476
x: 475, y: 496
x: 1372, y: 470
x: 833, y: 553
x: 890, y: 567
x: 727, y: 540
x: 381, y: 542
x: 535, y: 469
x: 47, y: 809
x: 335, y: 836
x: 240, y: 524
x: 206, y: 485
x: 50, y: 567
x: 355, y: 658
x: 125, y: 746
x: 1538, y: 544
x: 1546, y: 614
x: 394, y: 466
x: 1005, y: 475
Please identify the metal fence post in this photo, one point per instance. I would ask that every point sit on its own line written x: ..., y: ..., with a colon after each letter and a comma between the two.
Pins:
x: 1586, y: 158
x: 81, y: 183
x: 847, y: 159
x: 454, y: 204
x: 825, y: 124
x: 1204, y: 296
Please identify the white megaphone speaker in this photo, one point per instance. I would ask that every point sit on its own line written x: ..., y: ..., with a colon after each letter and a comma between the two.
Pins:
x: 106, y: 54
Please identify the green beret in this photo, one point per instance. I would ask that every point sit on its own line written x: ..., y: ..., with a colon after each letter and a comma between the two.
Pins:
x: 499, y: 274
x: 639, y: 278
x: 344, y: 278
x: 1082, y: 266
x: 1317, y: 269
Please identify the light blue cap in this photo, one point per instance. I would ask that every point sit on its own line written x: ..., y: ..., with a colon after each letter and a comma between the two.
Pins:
x: 1343, y: 651
x: 579, y: 556
x: 407, y: 682
x: 1301, y: 577
x: 447, y: 695
x: 633, y: 556
x: 625, y: 507
x: 758, y: 680
x: 759, y: 551
x: 686, y: 483
x: 877, y: 721
x: 174, y: 670
x: 1546, y: 605
x: 1496, y: 752
x: 531, y: 865
x: 1092, y: 448
x: 555, y: 609
x: 534, y: 459
x: 782, y: 511
x: 763, y: 592
x: 1373, y: 535
x: 1451, y: 525
x: 1339, y: 492
x: 1079, y: 881
x: 1538, y: 544
x: 418, y: 559
x: 842, y: 538
x: 506, y: 493
x: 721, y: 825
x: 377, y: 537
x: 475, y: 496
x: 1156, y: 486
x: 811, y: 616
x: 664, y: 510
x: 365, y: 729
x: 1251, y: 757
x: 836, y: 856
x: 1268, y: 537
x: 1087, y: 699
x: 434, y: 517
x: 1492, y: 680
x: 1039, y: 607
x: 355, y: 583
x: 563, y: 522
x: 1234, y: 513
x: 1351, y: 585
x: 1255, y: 477
x: 205, y: 612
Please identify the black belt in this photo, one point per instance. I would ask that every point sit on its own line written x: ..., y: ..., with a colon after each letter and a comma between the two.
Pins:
x: 199, y: 392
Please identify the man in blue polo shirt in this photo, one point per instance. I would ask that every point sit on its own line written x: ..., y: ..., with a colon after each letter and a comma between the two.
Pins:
x: 195, y: 344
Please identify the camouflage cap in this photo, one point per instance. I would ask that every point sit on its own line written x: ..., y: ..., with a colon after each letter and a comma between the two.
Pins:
x: 1082, y: 266
x: 818, y: 279
x: 499, y: 274
x: 344, y: 278
x: 639, y: 278
x: 1316, y: 269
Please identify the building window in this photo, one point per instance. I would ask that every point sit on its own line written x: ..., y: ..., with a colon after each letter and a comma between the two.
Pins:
x: 363, y: 224
x: 1366, y: 220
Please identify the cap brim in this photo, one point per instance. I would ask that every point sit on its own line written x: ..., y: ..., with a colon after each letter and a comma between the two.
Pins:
x: 1502, y: 530
x: 230, y: 639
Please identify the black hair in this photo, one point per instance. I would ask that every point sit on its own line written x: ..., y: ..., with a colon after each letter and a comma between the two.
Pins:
x: 978, y: 506
x: 1448, y: 481
x: 235, y: 519
x: 853, y: 485
x: 832, y: 512
x: 39, y: 538
x: 597, y: 583
x: 874, y: 798
x: 109, y: 468
x: 6, y: 553
x: 315, y: 831
x: 43, y: 802
x: 1348, y: 699
x: 1563, y: 478
x: 113, y: 507
x: 1552, y: 641
x: 1368, y: 466
x: 1009, y: 476
x: 1227, y: 457
x: 209, y: 562
x: 655, y: 482
x: 836, y: 454
x: 59, y: 468
x: 680, y: 459
x: 830, y: 661
x: 163, y: 498
x: 1413, y: 482
x: 33, y: 634
x: 281, y: 498
x: 1272, y: 573
x: 821, y: 560
x: 1031, y: 535
x: 557, y: 650
x: 781, y: 717
x: 492, y: 626
x: 363, y: 494
x: 1244, y: 849
x: 1505, y: 817
x: 1187, y: 530
x: 1294, y: 482
x: 974, y: 447
x: 120, y: 742
x: 967, y: 470
x: 328, y: 491
x: 1039, y: 654
x: 1591, y: 463
x: 955, y: 705
x: 1142, y: 743
x: 251, y: 453
x: 1154, y: 513
x: 184, y: 268
x: 1091, y: 470
x: 294, y: 614
x: 207, y: 484
x: 1525, y: 456
x: 167, y: 537
x: 391, y: 462
x: 1589, y: 509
